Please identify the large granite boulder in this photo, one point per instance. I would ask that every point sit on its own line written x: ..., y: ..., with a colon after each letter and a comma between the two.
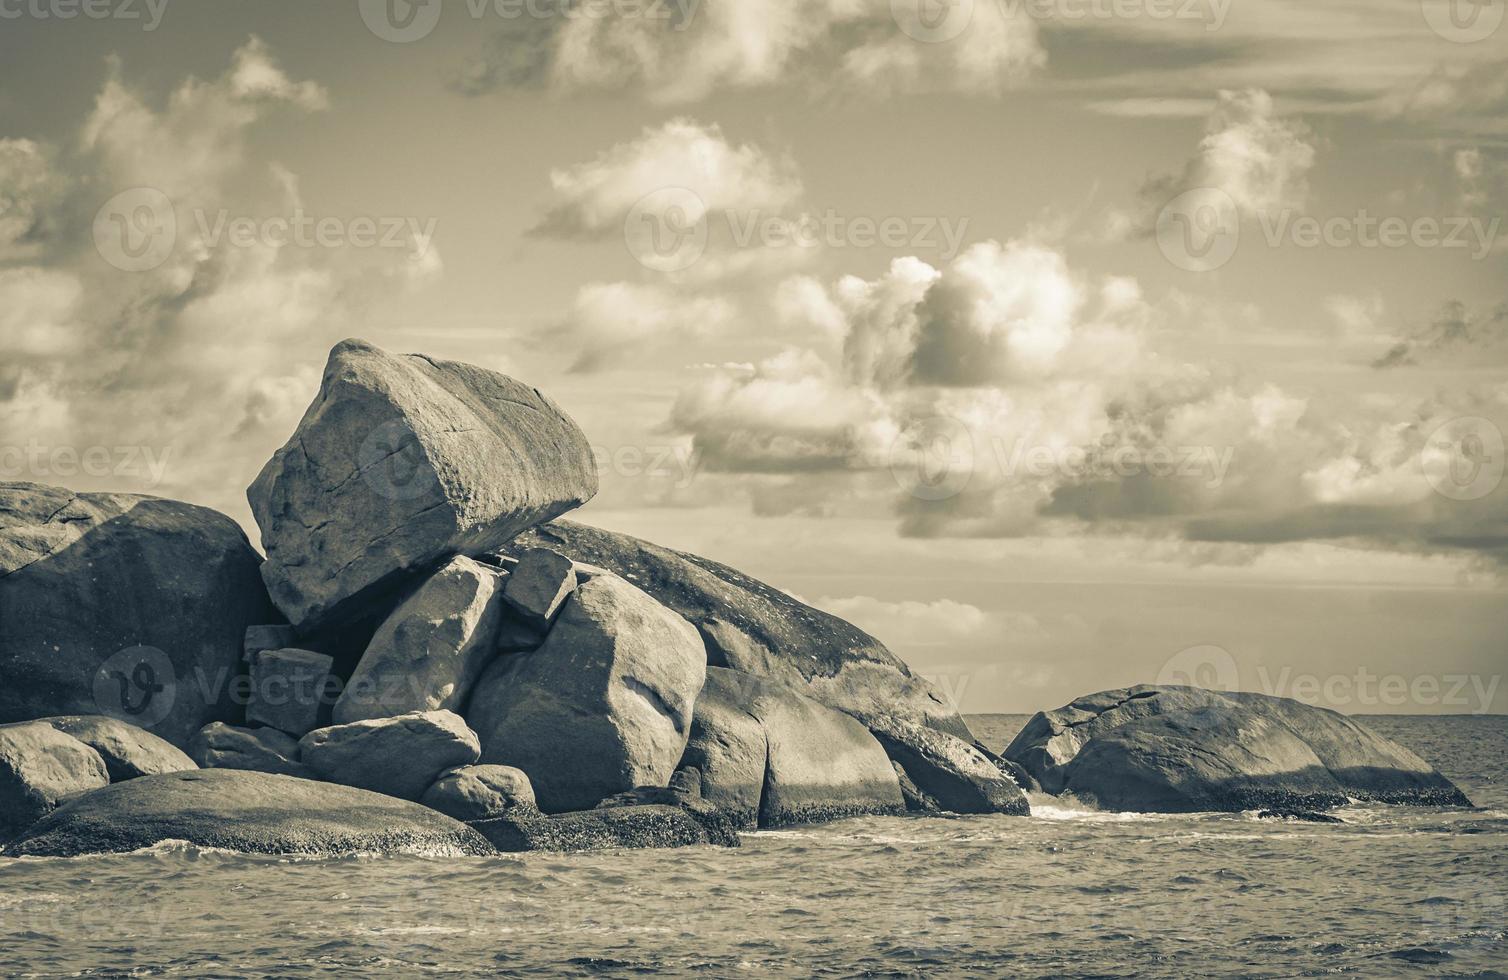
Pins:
x: 401, y: 462
x: 127, y: 751
x: 222, y: 746
x: 602, y: 706
x: 950, y: 772
x: 400, y: 756
x: 1180, y: 749
x: 124, y: 605
x: 772, y: 757
x: 427, y: 655
x: 246, y: 811
x: 39, y: 768
x: 612, y: 828
x: 751, y: 627
x: 479, y: 792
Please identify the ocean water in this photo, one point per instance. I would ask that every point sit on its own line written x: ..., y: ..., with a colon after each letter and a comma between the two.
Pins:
x: 1068, y: 892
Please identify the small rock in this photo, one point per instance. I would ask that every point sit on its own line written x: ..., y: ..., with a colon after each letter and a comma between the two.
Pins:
x: 479, y: 792
x: 259, y: 638
x: 427, y: 655
x: 400, y: 756
x: 287, y: 689
x: 538, y: 585
x: 221, y: 746
x: 128, y: 751
x: 41, y: 767
x: 1303, y: 816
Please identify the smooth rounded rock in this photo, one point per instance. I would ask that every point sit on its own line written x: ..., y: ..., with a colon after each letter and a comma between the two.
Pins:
x: 125, y: 605
x: 951, y: 772
x: 602, y: 706
x: 246, y: 811
x: 127, y: 751
x: 479, y: 792
x: 39, y: 768
x: 222, y: 746
x: 400, y: 756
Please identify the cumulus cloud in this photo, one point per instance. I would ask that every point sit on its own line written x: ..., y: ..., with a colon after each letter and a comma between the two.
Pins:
x: 690, y: 49
x: 594, y: 198
x: 1260, y: 159
x: 611, y: 321
x: 201, y: 360
x: 1006, y: 395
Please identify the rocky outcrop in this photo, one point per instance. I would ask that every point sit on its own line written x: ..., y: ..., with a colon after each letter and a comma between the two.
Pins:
x: 605, y: 829
x: 538, y: 585
x: 400, y: 756
x: 479, y: 792
x: 125, y: 605
x: 401, y: 463
x: 39, y: 768
x: 245, y: 811
x: 221, y: 746
x: 1180, y: 749
x: 602, y: 706
x: 127, y: 751
x: 756, y: 629
x: 429, y: 653
x: 771, y: 757
x: 949, y: 771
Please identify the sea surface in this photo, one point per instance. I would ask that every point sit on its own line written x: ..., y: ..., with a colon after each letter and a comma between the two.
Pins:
x: 1067, y: 892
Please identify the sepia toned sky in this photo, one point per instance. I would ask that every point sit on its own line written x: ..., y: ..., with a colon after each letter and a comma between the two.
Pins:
x: 1062, y: 344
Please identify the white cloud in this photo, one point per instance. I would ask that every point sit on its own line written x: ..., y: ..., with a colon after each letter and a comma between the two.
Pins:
x: 595, y: 198
x: 615, y: 321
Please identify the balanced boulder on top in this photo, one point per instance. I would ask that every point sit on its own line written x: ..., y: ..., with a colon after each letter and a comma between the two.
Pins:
x: 401, y: 463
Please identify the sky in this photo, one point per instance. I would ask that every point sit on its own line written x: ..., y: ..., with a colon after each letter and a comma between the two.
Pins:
x: 1061, y: 344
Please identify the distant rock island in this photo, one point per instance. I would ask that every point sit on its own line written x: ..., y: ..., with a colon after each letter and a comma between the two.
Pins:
x: 428, y: 661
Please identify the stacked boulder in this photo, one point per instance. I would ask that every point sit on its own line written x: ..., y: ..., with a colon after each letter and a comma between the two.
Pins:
x: 421, y: 633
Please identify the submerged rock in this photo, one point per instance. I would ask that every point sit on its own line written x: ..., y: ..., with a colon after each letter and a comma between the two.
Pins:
x: 770, y: 756
x: 606, y: 829
x: 756, y: 629
x: 1180, y: 749
x: 124, y: 605
x: 428, y: 654
x: 245, y: 811
x: 401, y: 462
x: 400, y: 756
x: 39, y: 768
x: 602, y: 706
x: 127, y: 751
x: 948, y: 770
x: 479, y: 792
x: 222, y: 746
